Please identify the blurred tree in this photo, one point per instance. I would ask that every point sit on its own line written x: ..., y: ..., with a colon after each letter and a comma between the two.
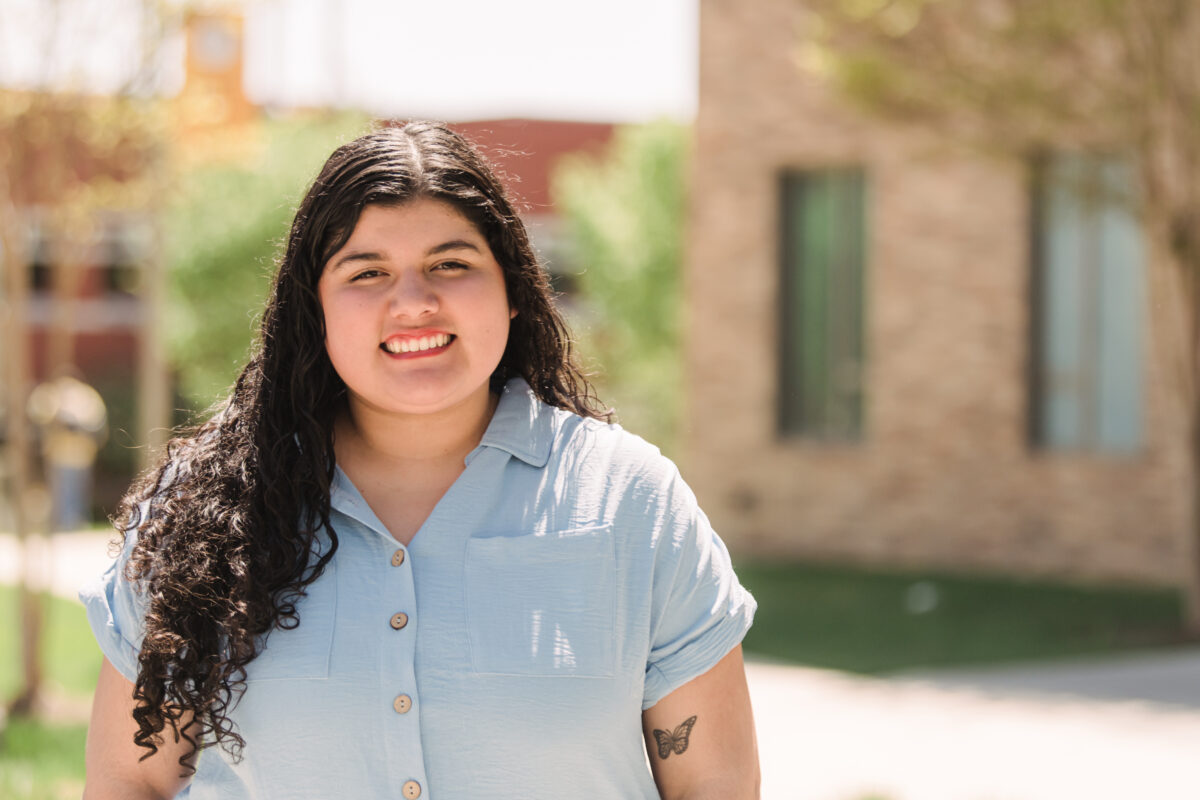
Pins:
x: 68, y: 159
x: 1032, y: 75
x: 625, y: 214
x: 224, y: 230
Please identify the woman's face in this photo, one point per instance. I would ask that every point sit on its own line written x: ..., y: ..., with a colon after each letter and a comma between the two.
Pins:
x: 416, y: 311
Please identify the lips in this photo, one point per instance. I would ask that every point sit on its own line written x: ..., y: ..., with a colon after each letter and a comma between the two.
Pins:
x: 416, y: 344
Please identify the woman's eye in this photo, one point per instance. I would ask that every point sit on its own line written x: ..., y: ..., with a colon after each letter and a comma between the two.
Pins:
x: 451, y: 266
x: 366, y: 273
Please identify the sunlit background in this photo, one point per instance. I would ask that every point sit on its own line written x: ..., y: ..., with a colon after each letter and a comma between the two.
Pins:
x: 907, y: 288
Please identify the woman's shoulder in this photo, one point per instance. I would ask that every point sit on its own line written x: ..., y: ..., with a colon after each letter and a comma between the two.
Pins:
x: 606, y: 438
x: 584, y: 451
x: 625, y: 460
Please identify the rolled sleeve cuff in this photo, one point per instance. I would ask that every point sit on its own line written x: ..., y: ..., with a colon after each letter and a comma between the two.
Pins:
x: 104, y: 617
x: 699, y: 656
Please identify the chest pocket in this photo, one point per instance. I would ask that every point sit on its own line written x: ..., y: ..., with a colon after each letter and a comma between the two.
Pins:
x: 302, y: 652
x: 542, y: 604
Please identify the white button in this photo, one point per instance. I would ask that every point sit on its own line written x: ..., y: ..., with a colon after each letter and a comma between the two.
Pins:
x: 402, y: 704
x: 411, y: 790
x: 399, y: 620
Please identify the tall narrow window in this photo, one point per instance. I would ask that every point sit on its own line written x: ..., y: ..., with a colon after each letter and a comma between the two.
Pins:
x: 821, y: 310
x: 1088, y: 306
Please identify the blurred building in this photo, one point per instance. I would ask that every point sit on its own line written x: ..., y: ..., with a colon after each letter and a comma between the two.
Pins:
x: 95, y: 283
x: 212, y: 118
x: 106, y: 326
x: 83, y: 309
x: 903, y: 354
x: 110, y: 331
x: 525, y: 152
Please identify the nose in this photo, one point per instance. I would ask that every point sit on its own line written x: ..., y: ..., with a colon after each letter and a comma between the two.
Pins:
x: 413, y: 295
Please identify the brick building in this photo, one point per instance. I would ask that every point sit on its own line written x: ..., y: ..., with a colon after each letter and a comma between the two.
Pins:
x: 903, y: 353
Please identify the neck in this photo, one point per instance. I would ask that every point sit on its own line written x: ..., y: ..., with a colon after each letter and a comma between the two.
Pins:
x: 367, y: 436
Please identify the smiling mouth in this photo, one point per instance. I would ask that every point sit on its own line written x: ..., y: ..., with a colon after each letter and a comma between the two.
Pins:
x: 418, y: 344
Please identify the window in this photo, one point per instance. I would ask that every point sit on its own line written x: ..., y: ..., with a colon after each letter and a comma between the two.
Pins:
x: 122, y: 269
x: 821, y: 310
x: 117, y: 255
x: 41, y: 272
x: 1088, y: 306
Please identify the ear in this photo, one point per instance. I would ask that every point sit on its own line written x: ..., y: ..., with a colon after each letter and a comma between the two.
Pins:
x: 512, y: 313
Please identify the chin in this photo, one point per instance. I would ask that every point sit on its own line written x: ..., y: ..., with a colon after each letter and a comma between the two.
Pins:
x: 427, y: 399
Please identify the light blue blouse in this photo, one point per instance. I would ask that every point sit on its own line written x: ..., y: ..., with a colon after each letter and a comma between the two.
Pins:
x: 566, y: 582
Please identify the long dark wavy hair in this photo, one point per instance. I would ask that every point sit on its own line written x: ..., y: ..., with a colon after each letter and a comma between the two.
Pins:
x: 227, y: 524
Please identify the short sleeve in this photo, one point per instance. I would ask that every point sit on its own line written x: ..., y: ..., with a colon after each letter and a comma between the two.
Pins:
x: 699, y: 610
x: 116, y: 611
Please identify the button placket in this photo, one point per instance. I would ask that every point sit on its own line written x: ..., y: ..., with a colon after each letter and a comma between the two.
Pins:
x: 399, y: 620
x: 400, y: 679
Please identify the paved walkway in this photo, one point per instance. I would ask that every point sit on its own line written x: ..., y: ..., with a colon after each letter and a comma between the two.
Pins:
x: 1122, y: 728
x: 63, y: 563
x: 828, y: 736
x: 1169, y: 677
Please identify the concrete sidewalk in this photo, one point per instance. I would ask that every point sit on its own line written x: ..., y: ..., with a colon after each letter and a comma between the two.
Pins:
x: 1166, y: 677
x: 1113, y: 729
x: 63, y: 562
x: 829, y: 736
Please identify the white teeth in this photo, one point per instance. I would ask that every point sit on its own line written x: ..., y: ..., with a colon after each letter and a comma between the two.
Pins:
x: 415, y: 345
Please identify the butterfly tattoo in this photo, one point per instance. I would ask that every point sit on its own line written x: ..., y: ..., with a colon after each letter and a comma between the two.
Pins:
x: 677, y: 740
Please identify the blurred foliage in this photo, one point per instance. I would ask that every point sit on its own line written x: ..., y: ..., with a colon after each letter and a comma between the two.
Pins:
x: 71, y: 154
x: 224, y: 229
x: 879, y: 621
x: 625, y: 214
x: 1012, y: 72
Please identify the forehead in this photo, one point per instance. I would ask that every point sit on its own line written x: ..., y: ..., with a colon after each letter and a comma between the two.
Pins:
x: 422, y: 217
x: 410, y: 229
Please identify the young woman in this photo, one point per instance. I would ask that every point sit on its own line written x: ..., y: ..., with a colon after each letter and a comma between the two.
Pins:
x: 409, y: 557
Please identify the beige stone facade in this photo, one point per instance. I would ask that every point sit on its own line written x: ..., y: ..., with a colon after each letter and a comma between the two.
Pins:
x: 945, y: 475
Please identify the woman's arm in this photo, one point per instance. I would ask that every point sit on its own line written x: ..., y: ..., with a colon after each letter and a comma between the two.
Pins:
x: 701, y: 737
x: 113, y: 768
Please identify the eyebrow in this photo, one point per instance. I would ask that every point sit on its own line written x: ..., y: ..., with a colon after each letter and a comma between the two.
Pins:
x: 372, y: 255
x: 453, y: 244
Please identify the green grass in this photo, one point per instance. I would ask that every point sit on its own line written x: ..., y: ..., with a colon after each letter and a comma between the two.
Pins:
x: 859, y: 620
x: 69, y: 653
x: 41, y: 761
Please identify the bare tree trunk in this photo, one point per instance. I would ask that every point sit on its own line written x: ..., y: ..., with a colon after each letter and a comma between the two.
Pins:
x: 13, y: 239
x: 69, y: 260
x: 27, y: 697
x: 1191, y: 592
x: 1185, y: 244
x: 154, y: 385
